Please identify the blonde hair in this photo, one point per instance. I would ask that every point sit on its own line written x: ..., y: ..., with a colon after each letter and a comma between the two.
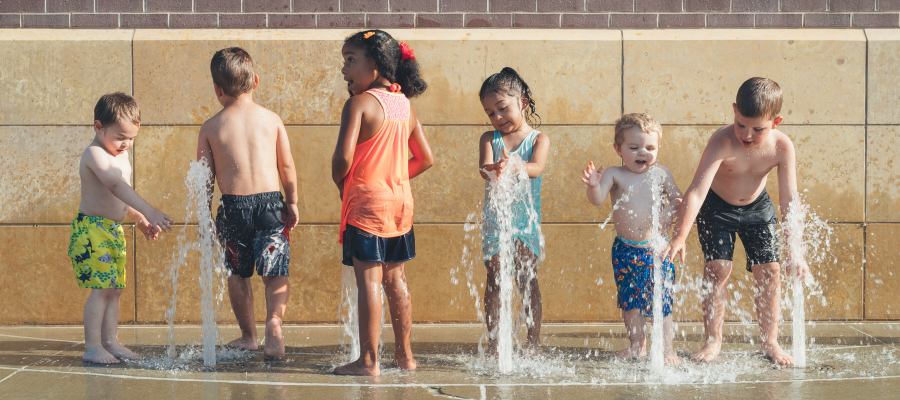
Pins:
x: 644, y: 121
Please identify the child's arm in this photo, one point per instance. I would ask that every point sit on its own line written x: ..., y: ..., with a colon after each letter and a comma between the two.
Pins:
x: 205, y: 151
x: 342, y: 160
x: 694, y: 197
x: 288, y: 175
x: 787, y: 186
x: 112, y: 179
x: 422, y: 159
x: 486, y: 156
x: 598, y: 183
x: 140, y: 221
x: 535, y: 166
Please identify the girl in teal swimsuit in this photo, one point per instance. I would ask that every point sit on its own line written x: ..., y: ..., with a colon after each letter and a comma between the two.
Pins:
x: 508, y: 103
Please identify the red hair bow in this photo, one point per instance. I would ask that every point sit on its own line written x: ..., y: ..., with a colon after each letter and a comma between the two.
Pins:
x: 407, y: 52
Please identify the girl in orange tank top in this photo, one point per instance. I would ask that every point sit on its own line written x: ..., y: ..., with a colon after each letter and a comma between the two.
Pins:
x: 372, y: 168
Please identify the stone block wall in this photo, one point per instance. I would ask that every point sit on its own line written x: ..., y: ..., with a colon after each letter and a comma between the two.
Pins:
x: 583, y: 14
x: 840, y: 110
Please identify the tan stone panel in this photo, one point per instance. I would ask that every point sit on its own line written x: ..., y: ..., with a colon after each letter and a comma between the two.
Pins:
x: 830, y: 165
x: 821, y: 72
x: 563, y: 194
x: 55, y: 77
x: 883, y: 70
x: 315, y: 279
x: 838, y: 271
x: 883, y: 190
x: 882, y: 282
x: 40, y: 183
x: 312, y: 148
x: 453, y: 188
x: 40, y: 285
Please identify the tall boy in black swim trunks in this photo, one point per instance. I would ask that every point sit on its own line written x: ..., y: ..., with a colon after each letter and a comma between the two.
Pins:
x: 728, y: 197
x: 248, y: 152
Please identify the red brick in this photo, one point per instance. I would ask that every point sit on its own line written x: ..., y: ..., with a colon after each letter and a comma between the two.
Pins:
x: 754, y: 5
x: 145, y: 20
x: 464, y: 5
x: 885, y: 20
x: 888, y: 5
x: 561, y: 5
x: 11, y: 6
x: 120, y: 5
x: 95, y: 20
x: 242, y: 21
x: 852, y: 5
x: 186, y: 21
x: 414, y: 5
x: 292, y: 20
x: 10, y: 21
x: 804, y: 5
x: 317, y: 5
x: 393, y: 20
x: 610, y: 5
x: 364, y: 6
x: 729, y: 20
x: 85, y: 6
x: 707, y: 5
x: 632, y: 21
x: 168, y: 5
x: 779, y: 20
x: 586, y: 21
x: 682, y: 20
x: 657, y: 5
x: 439, y: 20
x: 341, y: 20
x: 512, y: 5
x: 202, y: 6
x: 826, y: 20
x: 45, y: 20
x: 536, y: 20
x: 488, y: 20
x: 267, y: 5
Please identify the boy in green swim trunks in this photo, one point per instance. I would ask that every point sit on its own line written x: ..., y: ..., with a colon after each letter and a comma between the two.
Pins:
x: 97, y: 244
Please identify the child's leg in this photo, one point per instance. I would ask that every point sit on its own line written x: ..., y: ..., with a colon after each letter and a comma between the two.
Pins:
x: 526, y: 272
x: 277, y: 293
x: 94, y: 310
x: 492, y: 301
x: 715, y: 281
x: 768, y: 310
x: 241, y: 295
x: 634, y: 325
x: 400, y: 301
x: 109, y: 333
x: 368, y: 284
x: 669, y: 331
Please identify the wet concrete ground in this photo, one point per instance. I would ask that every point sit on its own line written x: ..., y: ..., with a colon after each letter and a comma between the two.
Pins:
x: 846, y: 360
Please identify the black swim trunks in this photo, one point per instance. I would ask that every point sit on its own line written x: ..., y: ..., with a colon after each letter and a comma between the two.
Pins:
x: 252, y: 230
x: 756, y: 224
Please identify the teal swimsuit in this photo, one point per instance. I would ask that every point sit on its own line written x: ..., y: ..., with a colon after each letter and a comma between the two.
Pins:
x: 526, y: 231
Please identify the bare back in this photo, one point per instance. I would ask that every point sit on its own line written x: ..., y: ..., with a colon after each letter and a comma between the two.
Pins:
x: 243, y: 139
x: 96, y: 199
x: 741, y: 175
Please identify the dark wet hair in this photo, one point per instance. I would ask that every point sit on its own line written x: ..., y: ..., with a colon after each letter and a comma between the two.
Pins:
x: 381, y: 47
x: 232, y: 70
x: 759, y: 98
x: 117, y: 107
x: 508, y: 82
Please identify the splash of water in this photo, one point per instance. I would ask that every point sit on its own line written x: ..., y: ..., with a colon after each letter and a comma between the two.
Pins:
x: 347, y: 311
x: 657, y: 178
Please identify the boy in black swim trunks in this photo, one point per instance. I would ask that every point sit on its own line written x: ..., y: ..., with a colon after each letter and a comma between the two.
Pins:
x: 728, y: 197
x: 248, y: 152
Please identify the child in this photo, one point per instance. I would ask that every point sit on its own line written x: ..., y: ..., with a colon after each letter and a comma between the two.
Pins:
x: 248, y: 152
x: 509, y: 105
x: 372, y: 168
x: 637, y: 142
x: 728, y: 196
x: 97, y: 244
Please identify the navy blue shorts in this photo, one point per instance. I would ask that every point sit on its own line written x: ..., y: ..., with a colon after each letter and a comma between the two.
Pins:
x: 371, y: 248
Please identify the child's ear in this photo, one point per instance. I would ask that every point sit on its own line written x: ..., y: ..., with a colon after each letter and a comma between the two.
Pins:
x: 218, y: 90
x: 255, y: 81
x: 777, y: 121
x: 97, y: 126
x: 734, y: 108
x: 617, y: 148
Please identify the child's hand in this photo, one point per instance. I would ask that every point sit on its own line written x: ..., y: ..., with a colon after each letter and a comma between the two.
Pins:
x: 592, y: 177
x: 676, y: 246
x: 147, y: 229
x: 290, y: 215
x: 158, y: 221
x: 798, y: 268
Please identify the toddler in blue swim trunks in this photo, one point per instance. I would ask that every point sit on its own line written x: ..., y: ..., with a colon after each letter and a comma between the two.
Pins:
x: 630, y: 188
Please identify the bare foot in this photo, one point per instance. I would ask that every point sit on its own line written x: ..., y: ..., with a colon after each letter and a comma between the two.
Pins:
x: 671, y: 358
x: 274, y: 347
x: 632, y: 352
x: 120, y: 351
x: 99, y: 355
x: 777, y: 354
x: 408, y: 364
x: 244, y: 344
x: 708, y: 352
x: 358, y: 368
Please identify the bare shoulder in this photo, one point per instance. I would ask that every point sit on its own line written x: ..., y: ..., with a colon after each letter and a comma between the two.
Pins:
x: 361, y: 102
x: 721, y: 140
x: 542, y: 138
x: 209, y: 126
x: 782, y: 142
x: 486, y: 137
x: 92, y: 155
x: 665, y: 169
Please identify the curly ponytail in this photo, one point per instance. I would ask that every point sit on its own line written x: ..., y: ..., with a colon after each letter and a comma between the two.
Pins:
x: 508, y: 82
x: 385, y: 51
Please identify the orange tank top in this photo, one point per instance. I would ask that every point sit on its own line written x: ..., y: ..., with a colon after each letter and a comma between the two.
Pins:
x: 377, y: 197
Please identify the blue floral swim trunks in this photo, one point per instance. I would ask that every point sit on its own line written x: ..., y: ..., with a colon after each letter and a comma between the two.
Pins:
x: 97, y: 250
x: 633, y: 266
